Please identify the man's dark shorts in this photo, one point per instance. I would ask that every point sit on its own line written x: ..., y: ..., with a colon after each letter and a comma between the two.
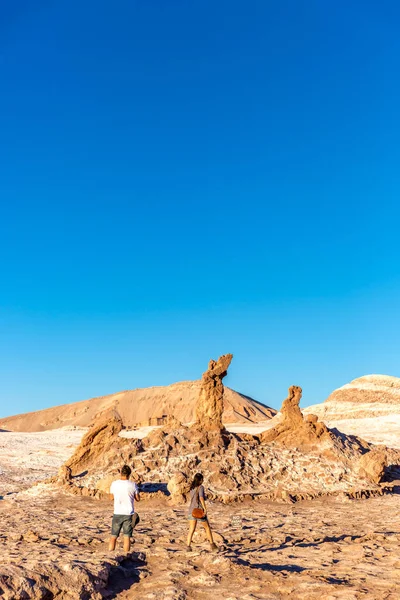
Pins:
x: 124, y: 522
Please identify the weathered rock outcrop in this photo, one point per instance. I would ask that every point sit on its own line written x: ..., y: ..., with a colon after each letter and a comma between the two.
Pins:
x: 372, y: 464
x: 90, y: 450
x: 210, y: 404
x: 292, y: 430
x: 296, y: 458
x: 179, y: 487
x: 301, y: 459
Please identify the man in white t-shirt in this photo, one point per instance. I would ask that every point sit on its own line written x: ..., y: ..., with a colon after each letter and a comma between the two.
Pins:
x: 125, y: 492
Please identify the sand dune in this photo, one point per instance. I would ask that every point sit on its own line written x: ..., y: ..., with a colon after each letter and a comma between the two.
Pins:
x: 144, y: 406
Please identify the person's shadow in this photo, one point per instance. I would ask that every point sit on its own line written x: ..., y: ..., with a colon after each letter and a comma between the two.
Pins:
x: 124, y: 576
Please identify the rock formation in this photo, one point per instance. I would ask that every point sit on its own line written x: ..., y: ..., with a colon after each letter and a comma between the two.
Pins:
x: 296, y: 459
x: 292, y: 430
x: 90, y: 450
x: 179, y: 487
x: 372, y: 464
x: 210, y: 403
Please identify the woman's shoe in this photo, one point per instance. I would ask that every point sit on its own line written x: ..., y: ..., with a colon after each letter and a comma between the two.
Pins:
x: 214, y: 547
x: 189, y: 548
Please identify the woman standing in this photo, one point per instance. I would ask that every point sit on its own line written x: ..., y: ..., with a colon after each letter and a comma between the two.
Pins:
x: 198, y: 511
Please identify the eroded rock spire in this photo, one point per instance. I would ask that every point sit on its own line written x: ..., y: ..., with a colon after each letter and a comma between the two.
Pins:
x: 210, y: 404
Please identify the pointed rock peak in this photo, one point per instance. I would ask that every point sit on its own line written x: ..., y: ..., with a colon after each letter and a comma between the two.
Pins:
x: 210, y: 404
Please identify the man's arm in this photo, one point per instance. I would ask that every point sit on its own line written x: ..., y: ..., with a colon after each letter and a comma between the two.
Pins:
x: 137, y: 493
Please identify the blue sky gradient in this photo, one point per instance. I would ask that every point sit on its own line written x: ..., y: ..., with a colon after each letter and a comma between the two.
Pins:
x: 184, y: 179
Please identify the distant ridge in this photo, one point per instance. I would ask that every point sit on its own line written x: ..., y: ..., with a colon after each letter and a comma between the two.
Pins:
x: 367, y: 396
x: 139, y: 407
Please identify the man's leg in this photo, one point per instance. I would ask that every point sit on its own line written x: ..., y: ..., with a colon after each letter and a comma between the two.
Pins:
x: 127, y: 531
x: 115, y: 531
x: 127, y: 543
x: 112, y: 542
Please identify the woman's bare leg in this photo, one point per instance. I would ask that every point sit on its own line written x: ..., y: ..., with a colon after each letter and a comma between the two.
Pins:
x: 192, y: 529
x: 208, y: 531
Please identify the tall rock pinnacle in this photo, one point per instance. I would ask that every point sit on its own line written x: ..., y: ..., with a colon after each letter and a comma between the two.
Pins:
x: 210, y: 404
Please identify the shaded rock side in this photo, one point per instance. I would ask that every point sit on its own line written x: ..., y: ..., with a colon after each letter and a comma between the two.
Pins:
x: 210, y: 403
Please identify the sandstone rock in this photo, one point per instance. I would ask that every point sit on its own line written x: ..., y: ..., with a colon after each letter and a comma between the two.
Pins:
x: 210, y: 404
x: 372, y: 464
x: 93, y: 444
x: 292, y: 429
x: 103, y: 485
x: 311, y: 419
x: 64, y: 474
x: 179, y: 487
x: 31, y: 536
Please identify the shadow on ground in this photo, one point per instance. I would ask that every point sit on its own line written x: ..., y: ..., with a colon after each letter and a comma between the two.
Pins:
x: 124, y: 576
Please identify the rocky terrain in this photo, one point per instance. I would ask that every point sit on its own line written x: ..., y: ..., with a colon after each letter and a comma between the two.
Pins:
x: 368, y: 407
x: 296, y: 458
x: 141, y: 407
x: 326, y: 549
x: 299, y: 510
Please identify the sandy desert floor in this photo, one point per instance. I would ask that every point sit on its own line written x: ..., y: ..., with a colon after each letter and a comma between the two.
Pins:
x: 311, y: 550
x: 53, y: 545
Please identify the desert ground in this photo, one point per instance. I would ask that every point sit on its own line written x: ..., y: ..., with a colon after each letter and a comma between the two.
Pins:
x: 54, y: 545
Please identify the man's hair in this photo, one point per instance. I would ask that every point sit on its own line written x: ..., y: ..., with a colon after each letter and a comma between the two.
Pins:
x: 126, y: 471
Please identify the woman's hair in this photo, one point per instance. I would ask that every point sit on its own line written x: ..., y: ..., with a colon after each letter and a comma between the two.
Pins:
x: 197, y: 480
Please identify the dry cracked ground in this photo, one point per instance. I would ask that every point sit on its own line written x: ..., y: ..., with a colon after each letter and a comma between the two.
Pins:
x: 53, y: 545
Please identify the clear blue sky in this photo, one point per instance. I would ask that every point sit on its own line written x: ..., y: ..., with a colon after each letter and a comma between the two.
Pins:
x: 181, y: 179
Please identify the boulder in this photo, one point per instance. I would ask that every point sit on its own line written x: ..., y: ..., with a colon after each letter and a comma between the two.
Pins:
x: 372, y: 464
x: 179, y: 487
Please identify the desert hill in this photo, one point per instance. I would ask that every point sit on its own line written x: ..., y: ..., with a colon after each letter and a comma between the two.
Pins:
x: 368, y: 396
x: 368, y: 406
x: 146, y: 406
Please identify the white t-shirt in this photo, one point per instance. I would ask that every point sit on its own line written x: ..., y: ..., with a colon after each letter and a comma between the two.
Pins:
x: 124, y: 492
